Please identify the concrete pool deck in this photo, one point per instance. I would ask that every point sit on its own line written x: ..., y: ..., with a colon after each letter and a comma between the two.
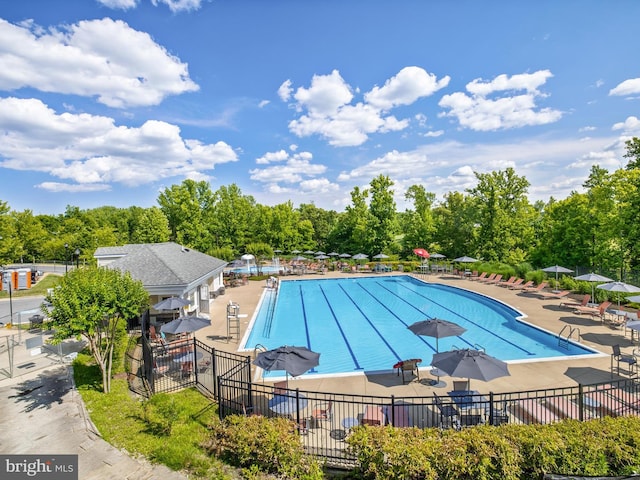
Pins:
x: 544, y: 313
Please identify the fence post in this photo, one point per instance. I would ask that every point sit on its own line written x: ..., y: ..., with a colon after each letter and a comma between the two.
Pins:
x: 491, y: 409
x: 393, y: 410
x: 580, y: 402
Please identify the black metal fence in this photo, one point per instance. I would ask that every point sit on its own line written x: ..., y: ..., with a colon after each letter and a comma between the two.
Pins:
x: 324, y: 420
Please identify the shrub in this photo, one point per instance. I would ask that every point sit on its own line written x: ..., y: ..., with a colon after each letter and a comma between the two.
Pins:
x: 271, y: 445
x: 608, y: 446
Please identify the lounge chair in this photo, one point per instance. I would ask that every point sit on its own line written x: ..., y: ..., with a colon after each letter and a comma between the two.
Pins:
x: 609, y: 404
x: 508, y: 282
x: 537, y: 289
x: 399, y: 416
x: 521, y: 286
x: 599, y: 311
x: 488, y: 279
x: 531, y: 410
x: 495, y: 280
x: 553, y: 295
x: 582, y: 303
x: 482, y: 276
x: 563, y: 407
x: 373, y: 415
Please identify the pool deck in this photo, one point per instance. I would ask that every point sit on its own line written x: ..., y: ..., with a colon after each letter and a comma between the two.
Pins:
x: 544, y: 313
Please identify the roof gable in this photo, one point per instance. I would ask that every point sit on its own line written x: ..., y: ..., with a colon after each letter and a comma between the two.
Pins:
x: 156, y: 264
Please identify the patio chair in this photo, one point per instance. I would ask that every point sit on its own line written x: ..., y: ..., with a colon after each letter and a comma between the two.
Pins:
x: 322, y: 411
x: 495, y: 280
x: 449, y: 415
x: 460, y: 385
x: 572, y: 304
x: 410, y: 366
x: 631, y: 361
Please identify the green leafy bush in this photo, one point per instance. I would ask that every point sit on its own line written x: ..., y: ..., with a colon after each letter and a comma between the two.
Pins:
x: 602, y: 447
x: 270, y: 444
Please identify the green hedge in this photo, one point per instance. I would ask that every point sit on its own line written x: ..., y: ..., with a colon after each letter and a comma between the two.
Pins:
x: 602, y: 447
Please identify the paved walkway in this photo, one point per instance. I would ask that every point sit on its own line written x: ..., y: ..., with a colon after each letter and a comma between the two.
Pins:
x: 41, y: 412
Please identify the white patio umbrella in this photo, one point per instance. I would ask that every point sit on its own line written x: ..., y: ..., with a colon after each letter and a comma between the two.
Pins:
x: 619, y: 287
x: 557, y: 269
x: 593, y: 278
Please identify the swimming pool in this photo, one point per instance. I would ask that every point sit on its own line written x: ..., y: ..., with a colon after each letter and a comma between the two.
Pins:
x: 359, y: 325
x: 253, y: 270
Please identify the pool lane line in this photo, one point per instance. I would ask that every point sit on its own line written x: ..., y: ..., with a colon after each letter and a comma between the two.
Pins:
x: 344, y: 337
x: 420, y: 337
x: 465, y: 318
x: 384, y: 340
x: 306, y: 322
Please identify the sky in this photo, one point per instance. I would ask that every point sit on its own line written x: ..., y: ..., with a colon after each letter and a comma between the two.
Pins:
x: 110, y: 102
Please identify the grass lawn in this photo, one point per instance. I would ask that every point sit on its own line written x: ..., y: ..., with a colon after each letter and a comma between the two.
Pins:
x: 167, y: 429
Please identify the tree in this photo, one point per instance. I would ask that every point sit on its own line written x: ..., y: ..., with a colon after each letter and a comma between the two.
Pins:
x: 504, y: 215
x: 94, y: 303
x: 231, y: 218
x: 382, y: 214
x: 189, y: 209
x: 456, y: 219
x: 417, y: 225
x: 633, y: 153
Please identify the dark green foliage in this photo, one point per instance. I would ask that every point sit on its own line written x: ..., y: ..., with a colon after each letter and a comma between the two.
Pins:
x: 604, y: 447
x: 271, y: 445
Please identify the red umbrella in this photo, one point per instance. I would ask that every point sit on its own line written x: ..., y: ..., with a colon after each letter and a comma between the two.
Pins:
x: 421, y: 252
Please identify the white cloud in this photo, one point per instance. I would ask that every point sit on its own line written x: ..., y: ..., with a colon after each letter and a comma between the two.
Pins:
x: 436, y: 133
x: 326, y: 106
x: 285, y: 91
x: 58, y: 187
x: 295, y: 168
x: 410, y: 84
x: 628, y: 87
x: 89, y: 149
x: 271, y: 157
x: 631, y: 126
x: 105, y: 58
x: 294, y: 174
x: 179, y: 5
x: 480, y: 113
x: 119, y: 4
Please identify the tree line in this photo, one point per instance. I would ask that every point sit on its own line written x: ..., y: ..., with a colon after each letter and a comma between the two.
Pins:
x: 494, y: 221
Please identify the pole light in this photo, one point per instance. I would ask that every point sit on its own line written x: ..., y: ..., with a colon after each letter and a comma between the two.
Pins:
x: 66, y: 257
x: 77, y: 252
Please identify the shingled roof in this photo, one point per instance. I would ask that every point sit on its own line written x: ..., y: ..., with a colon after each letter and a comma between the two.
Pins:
x: 161, y: 267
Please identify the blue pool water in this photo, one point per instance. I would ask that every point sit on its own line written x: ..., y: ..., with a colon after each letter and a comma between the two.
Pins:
x: 253, y: 270
x: 360, y: 324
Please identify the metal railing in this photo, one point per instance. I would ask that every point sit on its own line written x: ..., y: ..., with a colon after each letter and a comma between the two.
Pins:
x: 324, y: 420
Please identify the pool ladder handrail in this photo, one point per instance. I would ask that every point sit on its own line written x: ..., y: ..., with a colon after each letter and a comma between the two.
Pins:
x: 271, y: 310
x: 479, y: 348
x: 564, y: 341
x: 258, y: 349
